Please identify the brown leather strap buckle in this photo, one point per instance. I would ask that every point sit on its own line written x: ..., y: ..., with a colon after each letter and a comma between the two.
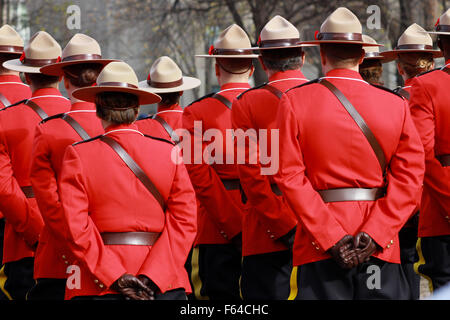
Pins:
x: 444, y: 160
x: 130, y: 238
x: 28, y: 191
x: 351, y: 194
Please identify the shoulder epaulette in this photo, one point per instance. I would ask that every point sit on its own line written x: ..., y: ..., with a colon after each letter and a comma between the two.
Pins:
x: 56, y: 116
x: 388, y: 90
x: 204, y: 97
x: 159, y: 139
x: 304, y: 84
x: 14, y: 104
x: 254, y: 88
x: 88, y: 140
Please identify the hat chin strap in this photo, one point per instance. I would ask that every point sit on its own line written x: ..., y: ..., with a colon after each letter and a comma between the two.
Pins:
x: 232, y: 72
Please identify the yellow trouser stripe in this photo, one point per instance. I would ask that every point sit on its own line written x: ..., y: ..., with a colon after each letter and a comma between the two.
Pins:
x: 195, y: 277
x: 293, y: 284
x: 240, y: 280
x: 3, y: 279
x: 421, y: 262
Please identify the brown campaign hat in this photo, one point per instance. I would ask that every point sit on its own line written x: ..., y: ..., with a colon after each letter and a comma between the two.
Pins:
x: 165, y: 76
x: 372, y: 52
x: 41, y: 50
x: 80, y: 49
x: 414, y: 39
x: 116, y: 77
x: 442, y: 25
x: 10, y: 41
x: 341, y: 27
x: 233, y: 42
x: 279, y: 33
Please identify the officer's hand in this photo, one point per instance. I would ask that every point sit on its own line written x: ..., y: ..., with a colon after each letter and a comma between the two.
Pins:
x: 132, y: 288
x: 365, y: 246
x: 343, y: 252
x: 149, y: 284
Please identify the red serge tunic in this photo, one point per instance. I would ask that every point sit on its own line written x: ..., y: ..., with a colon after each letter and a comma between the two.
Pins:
x: 171, y: 114
x: 17, y: 127
x: 14, y: 90
x: 220, y: 211
x: 50, y: 141
x: 322, y: 148
x: 430, y: 110
x: 269, y: 216
x: 99, y: 193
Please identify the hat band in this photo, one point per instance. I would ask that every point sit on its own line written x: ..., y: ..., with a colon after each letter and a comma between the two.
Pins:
x: 165, y: 85
x: 117, y: 84
x: 279, y: 43
x: 82, y: 57
x: 12, y: 49
x: 372, y: 54
x: 231, y: 52
x: 414, y: 47
x: 443, y: 27
x: 328, y: 36
x: 38, y: 62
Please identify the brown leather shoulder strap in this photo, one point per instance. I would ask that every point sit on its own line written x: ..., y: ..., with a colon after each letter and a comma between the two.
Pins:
x: 168, y: 128
x: 402, y: 92
x: 360, y: 122
x: 76, y: 126
x: 135, y: 168
x: 4, y: 100
x: 278, y: 93
x: 36, y: 108
x: 222, y: 99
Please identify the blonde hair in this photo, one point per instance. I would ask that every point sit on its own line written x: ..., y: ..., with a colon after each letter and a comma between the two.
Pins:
x: 415, y: 62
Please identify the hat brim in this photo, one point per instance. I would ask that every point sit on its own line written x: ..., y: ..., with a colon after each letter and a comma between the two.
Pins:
x: 17, y: 65
x: 439, y: 32
x: 365, y: 44
x: 393, y: 54
x: 56, y: 69
x: 188, y: 84
x: 284, y: 47
x: 237, y: 56
x: 89, y: 93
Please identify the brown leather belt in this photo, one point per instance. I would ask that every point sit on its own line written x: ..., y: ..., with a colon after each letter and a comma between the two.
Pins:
x: 130, y: 238
x: 351, y: 194
x: 28, y: 191
x: 444, y: 160
x: 232, y: 184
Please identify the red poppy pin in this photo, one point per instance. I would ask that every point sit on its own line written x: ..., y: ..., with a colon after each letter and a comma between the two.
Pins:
x: 22, y: 57
x: 437, y: 22
x: 259, y: 41
x: 316, y: 35
x: 211, y: 50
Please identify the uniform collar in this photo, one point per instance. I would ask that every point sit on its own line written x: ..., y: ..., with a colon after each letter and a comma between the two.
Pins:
x: 289, y: 74
x: 121, y: 128
x: 46, y: 92
x: 10, y: 78
x: 234, y: 85
x: 82, y: 105
x: 344, y: 73
x: 175, y: 106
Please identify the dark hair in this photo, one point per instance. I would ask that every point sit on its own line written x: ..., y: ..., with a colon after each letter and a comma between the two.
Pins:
x: 169, y: 98
x: 117, y: 107
x: 282, y: 59
x: 342, y: 55
x: 235, y: 65
x: 83, y: 75
x: 5, y: 57
x: 371, y: 71
x: 444, y: 44
x: 41, y: 81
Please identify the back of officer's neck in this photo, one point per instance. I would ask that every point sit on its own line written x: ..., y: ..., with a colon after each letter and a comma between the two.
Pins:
x: 328, y: 67
x: 225, y: 77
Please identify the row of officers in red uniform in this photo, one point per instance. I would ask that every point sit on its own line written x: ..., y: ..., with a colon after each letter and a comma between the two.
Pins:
x: 99, y: 205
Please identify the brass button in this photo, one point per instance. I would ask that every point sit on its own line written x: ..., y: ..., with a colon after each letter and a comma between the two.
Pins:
x: 64, y: 257
x: 392, y: 241
x: 272, y: 236
x: 268, y: 231
x: 96, y: 281
x: 101, y: 285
